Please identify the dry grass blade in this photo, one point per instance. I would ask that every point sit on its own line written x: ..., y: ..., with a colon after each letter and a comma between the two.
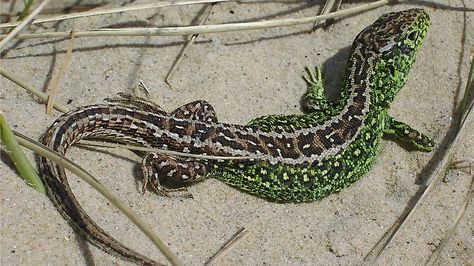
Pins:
x: 435, y: 255
x: 114, y: 10
x: 142, y: 86
x: 463, y: 126
x: 189, y: 30
x: 238, y: 236
x: 466, y: 96
x: 328, y: 6
x: 460, y: 123
x: 26, y: 170
x: 84, y: 175
x: 31, y: 89
x: 62, y: 70
x: 190, y: 41
x: 23, y: 24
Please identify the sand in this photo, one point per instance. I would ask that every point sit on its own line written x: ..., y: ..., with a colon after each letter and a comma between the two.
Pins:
x: 243, y: 75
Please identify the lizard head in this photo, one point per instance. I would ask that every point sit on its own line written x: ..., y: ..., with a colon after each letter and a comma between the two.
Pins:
x: 396, y: 31
x: 395, y: 38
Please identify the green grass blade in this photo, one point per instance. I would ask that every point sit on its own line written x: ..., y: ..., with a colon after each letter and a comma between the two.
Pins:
x: 26, y: 10
x: 26, y: 170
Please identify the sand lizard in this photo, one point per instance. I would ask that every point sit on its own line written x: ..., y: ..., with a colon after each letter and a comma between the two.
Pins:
x: 300, y: 157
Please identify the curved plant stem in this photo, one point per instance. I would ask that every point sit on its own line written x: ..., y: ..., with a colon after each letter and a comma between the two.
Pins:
x: 77, y: 170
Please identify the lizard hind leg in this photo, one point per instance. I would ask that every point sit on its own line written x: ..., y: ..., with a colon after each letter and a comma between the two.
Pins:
x: 315, y: 100
x: 164, y: 174
x: 198, y: 110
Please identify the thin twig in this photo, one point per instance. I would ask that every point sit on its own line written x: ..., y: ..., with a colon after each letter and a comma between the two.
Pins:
x: 328, y: 6
x: 435, y: 255
x: 23, y: 24
x: 189, y: 30
x: 190, y: 41
x: 236, y: 238
x: 466, y: 95
x: 31, y: 89
x: 463, y: 116
x: 142, y: 85
x: 62, y: 70
x: 438, y: 175
x: 465, y: 166
x: 114, y: 10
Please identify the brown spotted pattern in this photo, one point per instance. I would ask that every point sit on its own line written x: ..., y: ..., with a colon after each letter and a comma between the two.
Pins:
x: 129, y: 124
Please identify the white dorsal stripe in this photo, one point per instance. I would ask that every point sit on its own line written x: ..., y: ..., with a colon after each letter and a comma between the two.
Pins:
x: 221, y: 128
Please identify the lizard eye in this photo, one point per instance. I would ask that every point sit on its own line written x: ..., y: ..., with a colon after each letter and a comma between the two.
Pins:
x: 412, y: 36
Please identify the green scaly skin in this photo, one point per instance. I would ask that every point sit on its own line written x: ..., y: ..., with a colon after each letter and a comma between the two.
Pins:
x: 289, y: 183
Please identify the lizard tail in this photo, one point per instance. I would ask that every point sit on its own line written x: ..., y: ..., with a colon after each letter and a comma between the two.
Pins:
x: 61, y: 194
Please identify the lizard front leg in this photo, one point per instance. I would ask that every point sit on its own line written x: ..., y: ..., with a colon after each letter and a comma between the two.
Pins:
x: 315, y: 100
x: 314, y: 103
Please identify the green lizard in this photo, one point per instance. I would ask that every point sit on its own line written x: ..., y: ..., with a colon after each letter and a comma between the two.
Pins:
x: 295, y: 158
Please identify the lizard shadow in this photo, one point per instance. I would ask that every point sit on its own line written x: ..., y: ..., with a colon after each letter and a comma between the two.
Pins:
x: 86, y: 249
x: 91, y: 48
